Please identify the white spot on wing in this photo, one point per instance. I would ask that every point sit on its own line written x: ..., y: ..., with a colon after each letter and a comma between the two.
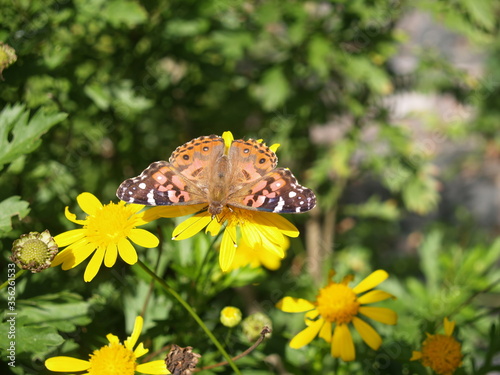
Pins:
x: 280, y: 205
x: 292, y: 194
x: 151, y: 198
x: 142, y: 186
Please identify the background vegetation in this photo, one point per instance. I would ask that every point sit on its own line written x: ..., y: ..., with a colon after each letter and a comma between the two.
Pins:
x: 102, y: 88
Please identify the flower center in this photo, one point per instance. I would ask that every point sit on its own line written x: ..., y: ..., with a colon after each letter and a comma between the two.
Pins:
x: 441, y: 353
x: 113, y: 359
x: 34, y: 251
x: 109, y: 224
x: 337, y: 303
x: 236, y: 216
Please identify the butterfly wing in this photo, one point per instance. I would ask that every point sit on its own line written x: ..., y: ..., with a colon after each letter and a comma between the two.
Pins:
x: 181, y: 181
x: 263, y: 187
x: 251, y: 160
x: 158, y: 185
x: 278, y: 191
x: 196, y: 159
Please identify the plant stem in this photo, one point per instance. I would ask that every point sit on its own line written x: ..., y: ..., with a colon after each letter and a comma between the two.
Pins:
x: 18, y: 275
x: 195, y: 316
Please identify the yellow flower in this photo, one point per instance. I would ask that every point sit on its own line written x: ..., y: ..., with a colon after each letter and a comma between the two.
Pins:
x: 442, y: 353
x: 113, y: 359
x: 230, y: 316
x: 107, y: 232
x: 260, y: 231
x: 338, y: 304
x: 257, y: 256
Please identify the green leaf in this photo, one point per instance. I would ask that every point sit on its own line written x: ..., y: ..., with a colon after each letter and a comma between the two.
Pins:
x: 68, y: 309
x: 99, y: 95
x: 38, y: 340
x: 420, y: 193
x: 186, y: 28
x: 18, y: 135
x: 273, y: 89
x: 128, y: 13
x: 482, y: 12
x: 319, y: 52
x: 429, y: 251
x: 386, y: 210
x: 12, y: 206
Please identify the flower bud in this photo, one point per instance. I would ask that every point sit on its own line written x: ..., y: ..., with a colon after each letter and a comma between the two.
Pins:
x: 252, y: 325
x: 34, y: 251
x: 230, y: 316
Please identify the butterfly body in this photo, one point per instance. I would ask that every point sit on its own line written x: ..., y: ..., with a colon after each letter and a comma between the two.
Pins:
x: 204, y: 171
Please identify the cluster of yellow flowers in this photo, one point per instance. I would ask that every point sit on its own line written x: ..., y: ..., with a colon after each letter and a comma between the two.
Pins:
x: 109, y: 230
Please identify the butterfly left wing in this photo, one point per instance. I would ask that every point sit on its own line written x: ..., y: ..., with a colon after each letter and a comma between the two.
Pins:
x: 159, y: 185
x: 278, y: 191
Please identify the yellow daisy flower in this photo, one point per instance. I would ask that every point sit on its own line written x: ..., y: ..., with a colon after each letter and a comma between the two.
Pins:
x: 442, y: 353
x: 258, y: 231
x: 338, y: 304
x: 113, y: 359
x: 107, y: 231
x: 257, y: 256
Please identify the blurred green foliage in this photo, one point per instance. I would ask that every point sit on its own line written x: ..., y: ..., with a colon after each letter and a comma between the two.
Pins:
x: 102, y: 88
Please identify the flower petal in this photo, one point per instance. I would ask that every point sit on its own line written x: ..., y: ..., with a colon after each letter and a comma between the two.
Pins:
x: 132, y: 339
x: 73, y: 255
x: 133, y: 208
x: 140, y: 350
x: 380, y: 314
x: 310, y: 316
x: 272, y: 234
x: 336, y: 343
x: 113, y: 339
x: 326, y: 332
x: 191, y: 226
x: 273, y: 220
x: 342, y: 344
x: 170, y: 211
x: 374, y: 296
x: 89, y: 203
x: 66, y: 364
x: 274, y: 147
x: 227, y: 248
x: 143, y: 238
x: 367, y: 333
x: 228, y: 140
x: 448, y: 327
x: 110, y: 255
x: 72, y: 217
x: 290, y: 304
x: 252, y: 236
x: 127, y: 251
x: 69, y: 237
x: 305, y: 336
x: 94, y: 264
x: 214, y: 227
x: 416, y: 356
x: 155, y: 368
x: 371, y: 281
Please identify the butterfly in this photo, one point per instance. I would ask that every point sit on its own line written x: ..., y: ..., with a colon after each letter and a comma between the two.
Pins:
x: 204, y: 171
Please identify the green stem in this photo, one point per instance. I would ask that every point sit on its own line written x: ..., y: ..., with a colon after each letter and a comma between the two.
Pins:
x: 18, y: 275
x: 193, y: 314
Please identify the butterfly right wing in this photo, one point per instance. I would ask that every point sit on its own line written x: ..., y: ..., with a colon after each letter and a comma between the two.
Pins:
x: 159, y: 185
x: 278, y: 191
